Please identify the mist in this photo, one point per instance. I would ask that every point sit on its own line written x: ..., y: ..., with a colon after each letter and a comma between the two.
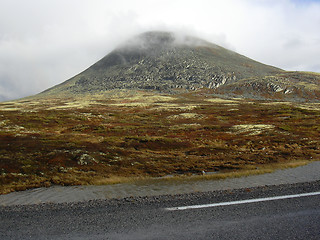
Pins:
x: 43, y: 43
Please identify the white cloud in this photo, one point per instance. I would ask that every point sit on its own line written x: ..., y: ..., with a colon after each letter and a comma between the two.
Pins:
x: 43, y: 42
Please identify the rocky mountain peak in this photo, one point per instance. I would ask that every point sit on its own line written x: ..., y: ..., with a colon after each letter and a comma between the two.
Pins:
x: 170, y: 63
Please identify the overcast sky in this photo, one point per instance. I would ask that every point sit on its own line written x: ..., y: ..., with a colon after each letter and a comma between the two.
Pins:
x: 45, y: 42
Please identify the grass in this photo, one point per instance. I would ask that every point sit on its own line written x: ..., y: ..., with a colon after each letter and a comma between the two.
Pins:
x: 42, y: 142
x: 252, y: 129
x: 268, y: 168
x: 107, y: 180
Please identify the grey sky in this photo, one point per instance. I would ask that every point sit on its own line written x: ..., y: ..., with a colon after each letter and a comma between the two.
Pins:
x: 45, y: 42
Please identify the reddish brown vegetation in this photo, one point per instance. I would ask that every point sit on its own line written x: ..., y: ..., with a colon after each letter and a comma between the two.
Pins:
x: 75, y: 146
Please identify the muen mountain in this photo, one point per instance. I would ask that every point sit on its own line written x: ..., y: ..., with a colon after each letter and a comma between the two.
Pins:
x: 170, y: 63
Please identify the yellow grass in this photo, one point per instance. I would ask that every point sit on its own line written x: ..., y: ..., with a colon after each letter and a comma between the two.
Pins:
x: 263, y: 169
x: 252, y: 129
x: 173, y: 107
x: 220, y: 100
x: 277, y: 103
x: 185, y: 116
x: 89, y: 179
x: 252, y: 170
x: 309, y: 106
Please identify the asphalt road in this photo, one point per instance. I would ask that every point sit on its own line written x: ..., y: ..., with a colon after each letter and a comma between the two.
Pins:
x: 149, y: 217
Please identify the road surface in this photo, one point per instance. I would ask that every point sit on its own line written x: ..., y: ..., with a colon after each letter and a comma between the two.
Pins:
x: 288, y: 211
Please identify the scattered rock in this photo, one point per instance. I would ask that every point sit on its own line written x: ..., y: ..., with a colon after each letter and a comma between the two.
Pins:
x: 86, y: 159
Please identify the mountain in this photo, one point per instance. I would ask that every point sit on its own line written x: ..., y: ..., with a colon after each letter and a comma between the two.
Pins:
x: 170, y: 118
x: 171, y: 63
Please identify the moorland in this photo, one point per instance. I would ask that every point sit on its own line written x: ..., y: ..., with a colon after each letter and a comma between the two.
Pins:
x: 137, y: 134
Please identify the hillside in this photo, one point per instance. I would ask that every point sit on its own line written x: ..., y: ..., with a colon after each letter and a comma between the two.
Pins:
x: 166, y: 63
x: 287, y: 86
x: 98, y: 140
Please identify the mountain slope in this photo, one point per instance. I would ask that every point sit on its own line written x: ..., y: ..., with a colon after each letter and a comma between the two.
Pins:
x: 165, y: 62
x: 292, y: 86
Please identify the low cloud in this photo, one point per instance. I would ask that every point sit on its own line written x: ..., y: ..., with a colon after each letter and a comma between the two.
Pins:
x: 43, y: 43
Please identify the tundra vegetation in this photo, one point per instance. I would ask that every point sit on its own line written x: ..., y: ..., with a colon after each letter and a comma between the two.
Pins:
x: 103, y: 140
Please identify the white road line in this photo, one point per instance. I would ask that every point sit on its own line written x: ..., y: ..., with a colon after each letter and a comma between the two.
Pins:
x: 243, y: 201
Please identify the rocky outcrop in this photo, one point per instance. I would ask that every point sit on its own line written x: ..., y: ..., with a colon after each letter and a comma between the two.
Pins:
x: 291, y: 86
